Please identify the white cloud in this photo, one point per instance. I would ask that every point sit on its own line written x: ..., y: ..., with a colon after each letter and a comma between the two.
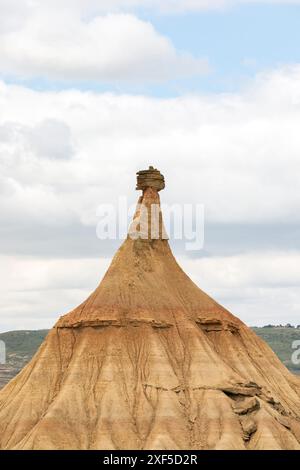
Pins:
x: 89, y: 7
x: 239, y: 154
x: 253, y: 269
x: 35, y: 292
x: 50, y: 274
x: 114, y: 47
x: 259, y: 288
x: 50, y: 138
x: 15, y: 13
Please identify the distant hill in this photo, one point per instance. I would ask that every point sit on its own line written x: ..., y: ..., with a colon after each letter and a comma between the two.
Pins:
x: 21, y: 346
x: 23, y: 343
x: 281, y: 340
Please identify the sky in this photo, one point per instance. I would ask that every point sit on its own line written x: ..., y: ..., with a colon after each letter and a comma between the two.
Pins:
x: 92, y: 91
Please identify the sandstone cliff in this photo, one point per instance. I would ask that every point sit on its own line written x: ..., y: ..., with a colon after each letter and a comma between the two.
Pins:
x: 149, y: 361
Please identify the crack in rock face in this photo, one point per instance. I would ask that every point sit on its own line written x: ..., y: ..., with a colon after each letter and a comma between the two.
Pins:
x: 246, y: 406
x: 249, y: 428
x: 150, y: 361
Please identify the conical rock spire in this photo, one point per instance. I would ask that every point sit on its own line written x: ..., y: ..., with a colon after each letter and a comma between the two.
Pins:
x: 149, y: 361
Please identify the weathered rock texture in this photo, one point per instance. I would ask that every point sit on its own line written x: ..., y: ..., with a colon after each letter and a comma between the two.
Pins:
x: 149, y: 361
x: 150, y: 178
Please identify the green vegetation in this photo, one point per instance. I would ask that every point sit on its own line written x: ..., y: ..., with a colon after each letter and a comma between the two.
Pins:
x: 280, y: 339
x: 23, y: 343
x: 20, y: 347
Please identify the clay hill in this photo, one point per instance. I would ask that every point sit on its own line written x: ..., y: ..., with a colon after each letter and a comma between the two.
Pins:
x: 149, y: 361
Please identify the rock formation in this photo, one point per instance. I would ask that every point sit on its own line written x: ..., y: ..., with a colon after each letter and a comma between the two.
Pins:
x: 150, y: 178
x: 149, y: 361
